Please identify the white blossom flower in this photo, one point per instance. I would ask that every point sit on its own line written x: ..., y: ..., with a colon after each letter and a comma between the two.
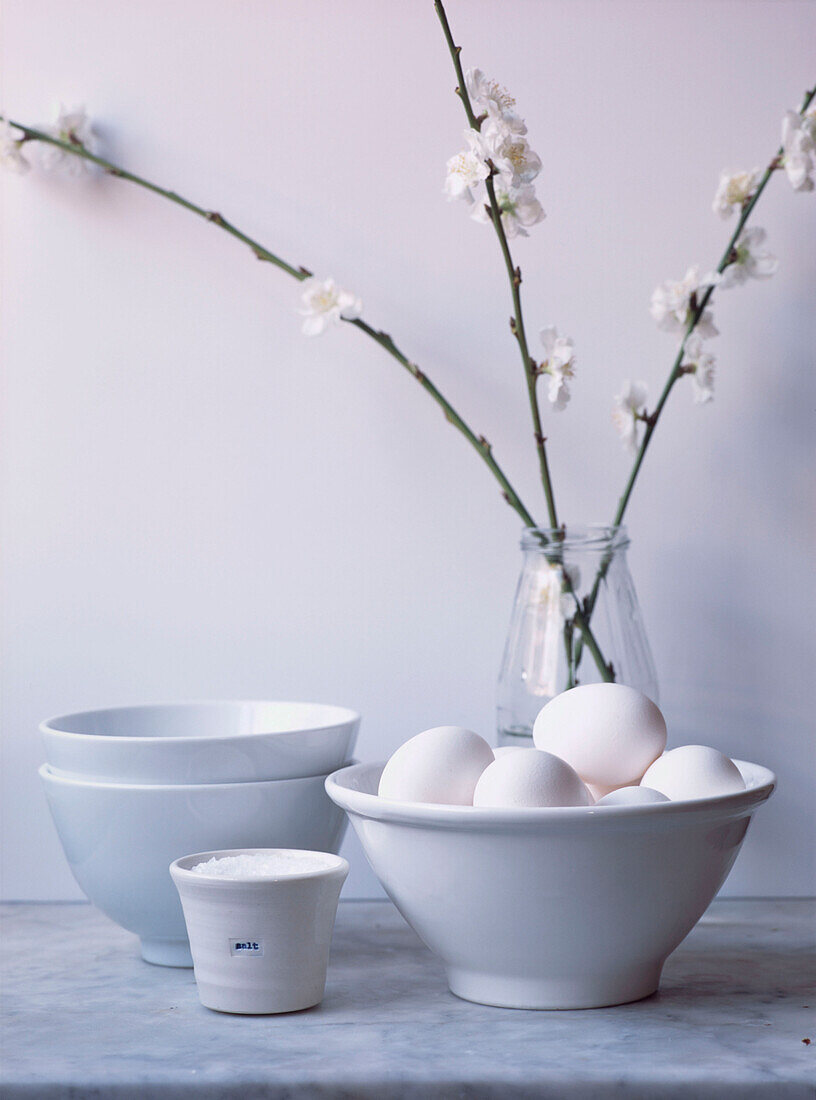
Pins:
x: 629, y: 409
x: 520, y: 209
x: 798, y: 148
x: 751, y: 259
x: 491, y: 98
x: 699, y: 365
x: 671, y: 304
x: 509, y: 152
x: 500, y: 143
x: 551, y: 604
x: 559, y: 366
x: 465, y: 171
x: 734, y: 190
x: 558, y: 583
x: 324, y: 303
x: 572, y: 574
x: 73, y: 127
x: 11, y: 155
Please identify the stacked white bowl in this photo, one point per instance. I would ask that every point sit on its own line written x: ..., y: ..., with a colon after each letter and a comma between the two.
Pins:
x: 133, y: 788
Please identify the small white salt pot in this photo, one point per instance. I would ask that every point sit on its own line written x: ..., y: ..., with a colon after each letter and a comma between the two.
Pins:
x: 261, y: 944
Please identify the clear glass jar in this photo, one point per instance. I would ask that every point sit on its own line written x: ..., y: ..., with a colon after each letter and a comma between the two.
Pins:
x: 575, y: 620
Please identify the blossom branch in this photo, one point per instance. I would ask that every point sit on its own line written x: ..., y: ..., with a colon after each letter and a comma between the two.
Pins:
x: 77, y: 150
x: 650, y: 420
x: 478, y: 442
x: 531, y: 370
x: 587, y: 638
x: 513, y: 273
x: 697, y: 312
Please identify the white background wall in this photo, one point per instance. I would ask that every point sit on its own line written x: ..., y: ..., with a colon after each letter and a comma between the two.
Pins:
x: 198, y: 501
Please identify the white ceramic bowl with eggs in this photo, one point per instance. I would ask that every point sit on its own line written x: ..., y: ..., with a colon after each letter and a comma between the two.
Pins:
x: 204, y: 742
x: 554, y: 907
x: 120, y: 839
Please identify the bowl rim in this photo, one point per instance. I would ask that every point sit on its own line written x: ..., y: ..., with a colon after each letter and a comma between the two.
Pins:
x: 51, y: 726
x: 375, y: 808
x: 46, y: 774
x: 333, y: 866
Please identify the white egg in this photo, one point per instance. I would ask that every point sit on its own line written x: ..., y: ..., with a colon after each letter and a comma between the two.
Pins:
x: 609, y: 733
x: 631, y: 796
x: 438, y: 765
x: 529, y: 777
x: 598, y: 792
x: 694, y: 771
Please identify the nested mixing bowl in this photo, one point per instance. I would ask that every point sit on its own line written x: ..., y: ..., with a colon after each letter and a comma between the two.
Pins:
x: 120, y: 839
x: 565, y: 907
x: 216, y: 742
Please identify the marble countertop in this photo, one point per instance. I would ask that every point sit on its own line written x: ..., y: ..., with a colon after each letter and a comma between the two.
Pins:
x: 84, y: 1016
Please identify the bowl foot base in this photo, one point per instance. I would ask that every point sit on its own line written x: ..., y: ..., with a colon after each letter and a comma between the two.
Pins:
x: 598, y: 991
x: 167, y: 952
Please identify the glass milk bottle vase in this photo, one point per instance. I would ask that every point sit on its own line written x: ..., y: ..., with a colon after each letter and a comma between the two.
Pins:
x: 575, y: 620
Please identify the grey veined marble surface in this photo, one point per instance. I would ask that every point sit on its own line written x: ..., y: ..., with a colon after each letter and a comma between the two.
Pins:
x: 84, y: 1017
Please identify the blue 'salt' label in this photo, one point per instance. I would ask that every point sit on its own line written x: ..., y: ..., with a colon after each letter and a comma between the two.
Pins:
x: 246, y: 947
